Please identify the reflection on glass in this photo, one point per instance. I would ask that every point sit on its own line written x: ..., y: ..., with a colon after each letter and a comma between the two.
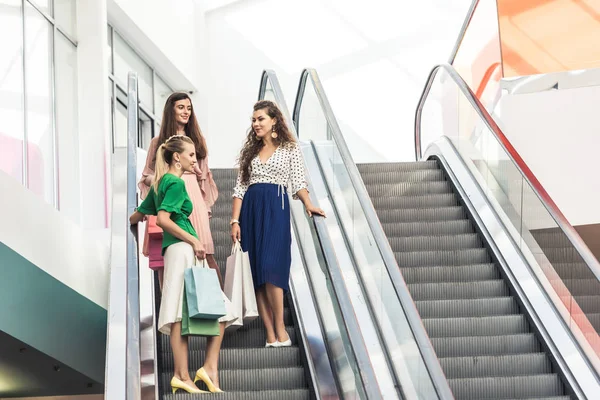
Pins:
x: 126, y: 60
x: 576, y: 290
x: 120, y: 138
x: 66, y: 127
x: 161, y: 92
x: 65, y: 16
x: 38, y: 75
x: 145, y: 131
x: 110, y: 48
x: 395, y: 330
x: 478, y: 59
x: 11, y: 89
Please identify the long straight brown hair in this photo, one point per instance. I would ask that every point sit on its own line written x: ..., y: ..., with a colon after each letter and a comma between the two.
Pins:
x: 168, y: 126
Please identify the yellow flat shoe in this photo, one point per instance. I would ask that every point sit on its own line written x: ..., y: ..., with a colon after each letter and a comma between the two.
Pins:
x: 201, y: 375
x: 177, y: 384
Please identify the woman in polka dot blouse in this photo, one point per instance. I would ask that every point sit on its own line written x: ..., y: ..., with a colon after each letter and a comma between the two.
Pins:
x: 271, y: 164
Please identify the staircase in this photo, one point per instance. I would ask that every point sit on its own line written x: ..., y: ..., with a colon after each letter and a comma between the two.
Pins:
x: 482, y: 339
x: 247, y: 370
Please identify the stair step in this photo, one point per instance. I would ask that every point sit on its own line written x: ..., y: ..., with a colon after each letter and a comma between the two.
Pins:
x: 397, y: 167
x: 409, y: 189
x: 458, y: 290
x: 486, y: 345
x: 467, y: 307
x: 445, y: 257
x: 254, y: 379
x: 424, y: 175
x: 490, y: 366
x: 428, y: 201
x: 520, y: 387
x: 296, y: 394
x: 433, y: 243
x: 283, y: 357
x: 476, y: 326
x: 422, y: 214
x: 453, y: 273
x: 397, y: 229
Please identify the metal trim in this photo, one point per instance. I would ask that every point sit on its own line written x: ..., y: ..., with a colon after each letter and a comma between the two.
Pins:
x: 132, y: 381
x: 513, y: 155
x: 351, y: 324
x: 412, y: 315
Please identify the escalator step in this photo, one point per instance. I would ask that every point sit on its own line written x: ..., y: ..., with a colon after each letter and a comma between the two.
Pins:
x: 457, y: 273
x: 433, y: 243
x: 428, y: 228
x: 429, y: 201
x: 255, y: 379
x: 296, y: 394
x: 447, y: 257
x: 477, y: 326
x: 467, y: 308
x: 486, y: 345
x: 458, y: 290
x: 244, y: 358
x: 409, y: 189
x: 397, y: 167
x: 424, y: 175
x: 520, y: 387
x: 423, y: 214
x: 490, y: 366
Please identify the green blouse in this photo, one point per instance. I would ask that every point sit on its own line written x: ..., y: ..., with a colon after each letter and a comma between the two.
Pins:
x: 172, y: 198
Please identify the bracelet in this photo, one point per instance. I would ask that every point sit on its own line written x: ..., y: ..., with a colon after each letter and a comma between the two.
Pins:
x: 234, y: 221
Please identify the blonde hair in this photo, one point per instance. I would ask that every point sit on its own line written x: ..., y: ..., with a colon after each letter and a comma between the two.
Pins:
x: 164, y: 156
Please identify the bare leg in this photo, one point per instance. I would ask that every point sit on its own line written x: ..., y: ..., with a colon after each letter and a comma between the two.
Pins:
x: 275, y: 297
x: 212, y: 263
x: 264, y: 310
x: 179, y: 345
x: 211, y: 363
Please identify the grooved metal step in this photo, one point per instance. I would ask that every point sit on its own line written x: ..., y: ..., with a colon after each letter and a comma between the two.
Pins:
x: 520, y: 387
x: 396, y: 167
x: 428, y: 228
x: 423, y: 214
x: 427, y: 201
x: 442, y: 257
x: 467, y: 307
x: 490, y: 366
x: 445, y: 274
x: 476, y: 326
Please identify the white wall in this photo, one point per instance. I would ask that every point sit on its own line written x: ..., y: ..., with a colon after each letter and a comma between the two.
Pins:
x: 557, y: 134
x: 373, y: 58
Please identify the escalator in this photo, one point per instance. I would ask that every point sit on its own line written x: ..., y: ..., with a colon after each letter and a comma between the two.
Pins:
x: 482, y: 338
x: 499, y: 324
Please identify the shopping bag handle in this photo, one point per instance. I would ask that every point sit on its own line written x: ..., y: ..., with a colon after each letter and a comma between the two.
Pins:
x: 236, y: 247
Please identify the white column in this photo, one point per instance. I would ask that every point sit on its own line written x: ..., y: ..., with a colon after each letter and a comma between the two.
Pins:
x: 94, y: 113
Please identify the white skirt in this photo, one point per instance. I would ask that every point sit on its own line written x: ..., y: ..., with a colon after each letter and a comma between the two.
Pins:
x: 178, y: 257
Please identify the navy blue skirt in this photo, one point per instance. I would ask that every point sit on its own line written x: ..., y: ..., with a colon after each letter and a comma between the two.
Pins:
x: 266, y: 234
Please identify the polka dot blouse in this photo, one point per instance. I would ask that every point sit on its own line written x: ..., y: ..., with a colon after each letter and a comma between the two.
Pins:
x: 285, y: 167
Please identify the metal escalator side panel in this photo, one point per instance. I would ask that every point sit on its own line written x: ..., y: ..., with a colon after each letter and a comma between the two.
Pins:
x: 556, y: 336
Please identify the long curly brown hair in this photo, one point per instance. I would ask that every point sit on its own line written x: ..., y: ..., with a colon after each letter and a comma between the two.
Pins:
x: 254, y: 144
x: 168, y: 126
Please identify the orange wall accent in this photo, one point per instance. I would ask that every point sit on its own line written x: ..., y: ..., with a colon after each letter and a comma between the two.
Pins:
x: 543, y: 36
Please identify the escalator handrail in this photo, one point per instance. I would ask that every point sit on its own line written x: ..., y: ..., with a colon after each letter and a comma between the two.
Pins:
x: 430, y: 359
x: 352, y: 326
x: 132, y: 356
x: 463, y: 30
x: 562, y: 222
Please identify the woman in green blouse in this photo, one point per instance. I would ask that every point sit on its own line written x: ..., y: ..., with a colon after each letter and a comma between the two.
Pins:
x: 169, y: 200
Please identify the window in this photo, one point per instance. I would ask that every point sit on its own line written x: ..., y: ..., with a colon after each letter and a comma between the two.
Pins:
x: 38, y: 92
x: 152, y: 91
